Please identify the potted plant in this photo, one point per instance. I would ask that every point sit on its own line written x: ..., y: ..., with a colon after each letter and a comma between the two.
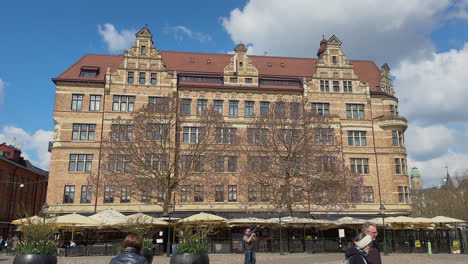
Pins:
x: 36, y: 247
x: 148, y: 250
x: 309, y: 244
x: 193, y: 246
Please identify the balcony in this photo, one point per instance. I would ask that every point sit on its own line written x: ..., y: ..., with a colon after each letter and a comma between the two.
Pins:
x: 389, y: 122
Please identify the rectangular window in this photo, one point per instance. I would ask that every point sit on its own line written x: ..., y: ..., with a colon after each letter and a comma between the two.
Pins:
x: 233, y: 108
x: 324, y: 86
x: 403, y: 194
x: 321, y: 109
x: 77, y: 102
x: 143, y: 49
x: 280, y: 109
x: 219, y: 193
x: 265, y: 193
x: 347, y: 86
x: 357, y: 138
x: 69, y: 194
x: 368, y: 194
x: 125, y: 194
x: 325, y: 163
x: 288, y: 136
x: 400, y: 166
x: 185, y: 106
x: 334, y: 60
x: 249, y: 108
x: 336, y: 86
x: 248, y: 80
x: 324, y: 136
x: 153, y: 78
x: 123, y: 103
x: 252, y: 193
x: 355, y: 111
x: 294, y: 109
x: 192, y: 134
x: 393, y: 110
x: 198, y: 193
x: 157, y: 132
x: 264, y: 107
x: 161, y: 194
x: 232, y: 163
x: 159, y: 104
x: 232, y: 193
x: 119, y: 163
x: 226, y: 135
x: 121, y: 132
x: 257, y: 136
x: 218, y: 106
x: 109, y: 191
x: 130, y: 77
x: 185, y: 193
x: 142, y: 78
x: 233, y: 79
x: 360, y: 165
x: 156, y: 161
x: 146, y: 195
x: 95, y: 103
x: 86, y: 191
x: 202, y: 105
x: 219, y: 164
x: 189, y: 162
x: 83, y: 132
x: 80, y: 162
x: 397, y: 138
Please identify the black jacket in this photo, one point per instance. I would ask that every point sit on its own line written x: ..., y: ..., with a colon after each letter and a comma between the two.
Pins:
x: 129, y: 256
x: 355, y: 256
x: 374, y: 255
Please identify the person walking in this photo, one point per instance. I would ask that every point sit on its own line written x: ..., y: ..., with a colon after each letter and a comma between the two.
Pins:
x: 131, y: 251
x: 374, y: 254
x: 72, y: 249
x: 358, y: 254
x: 248, y: 243
x: 1, y: 243
x: 14, y: 243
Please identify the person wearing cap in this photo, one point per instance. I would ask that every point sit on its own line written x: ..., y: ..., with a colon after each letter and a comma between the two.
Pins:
x: 359, y: 253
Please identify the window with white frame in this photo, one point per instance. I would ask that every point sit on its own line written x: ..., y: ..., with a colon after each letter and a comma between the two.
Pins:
x: 321, y: 109
x: 403, y: 194
x: 355, y: 111
x: 368, y: 194
x: 95, y: 103
x: 357, y: 138
x: 232, y: 193
x: 192, y: 134
x: 397, y: 138
x: 347, y: 86
x: 121, y: 132
x: 83, y: 132
x: 400, y: 166
x: 119, y: 163
x: 123, y: 103
x: 80, y: 162
x: 324, y: 86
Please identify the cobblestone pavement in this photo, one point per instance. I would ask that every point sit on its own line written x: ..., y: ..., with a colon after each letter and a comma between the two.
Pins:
x: 298, y: 258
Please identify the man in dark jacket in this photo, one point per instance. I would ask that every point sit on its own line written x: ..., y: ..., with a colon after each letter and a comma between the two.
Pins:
x: 374, y: 253
x: 359, y: 253
x: 130, y: 254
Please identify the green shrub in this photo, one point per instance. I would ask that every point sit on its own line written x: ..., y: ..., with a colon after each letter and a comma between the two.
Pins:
x: 36, y: 247
x: 194, y: 240
x: 148, y: 244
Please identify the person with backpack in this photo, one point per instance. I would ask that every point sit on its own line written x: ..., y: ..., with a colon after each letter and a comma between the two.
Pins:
x: 248, y: 245
x: 358, y: 254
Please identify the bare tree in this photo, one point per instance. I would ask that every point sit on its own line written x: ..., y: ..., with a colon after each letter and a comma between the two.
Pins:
x: 294, y: 160
x: 148, y: 155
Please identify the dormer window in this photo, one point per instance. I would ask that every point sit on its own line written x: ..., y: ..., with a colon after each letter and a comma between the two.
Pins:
x: 143, y: 49
x: 89, y: 71
x: 334, y: 60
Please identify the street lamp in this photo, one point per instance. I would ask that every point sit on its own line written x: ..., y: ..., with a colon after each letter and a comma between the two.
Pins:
x: 44, y: 210
x: 382, y: 212
x: 170, y: 208
x: 279, y: 208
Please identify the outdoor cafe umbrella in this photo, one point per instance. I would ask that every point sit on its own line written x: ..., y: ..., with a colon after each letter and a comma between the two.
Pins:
x: 138, y: 218
x: 289, y: 220
x: 446, y: 220
x: 73, y: 220
x: 252, y: 221
x: 32, y: 219
x: 108, y: 215
x: 203, y: 218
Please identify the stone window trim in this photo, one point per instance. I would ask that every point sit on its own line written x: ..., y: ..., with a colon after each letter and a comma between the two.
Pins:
x: 68, y: 194
x: 77, y: 102
x: 357, y: 138
x: 109, y: 192
x: 86, y: 193
x: 80, y: 162
x: 125, y: 194
x: 219, y: 193
x: 360, y: 166
x: 83, y: 132
x: 232, y: 193
x: 404, y: 195
x: 355, y: 111
x: 95, y: 102
x: 123, y: 103
x: 401, y: 167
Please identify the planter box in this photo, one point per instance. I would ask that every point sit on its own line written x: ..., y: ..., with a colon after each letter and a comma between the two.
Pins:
x: 35, y: 259
x: 310, y: 246
x: 190, y: 259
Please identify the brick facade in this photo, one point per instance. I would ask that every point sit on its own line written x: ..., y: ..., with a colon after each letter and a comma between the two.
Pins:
x: 228, y: 77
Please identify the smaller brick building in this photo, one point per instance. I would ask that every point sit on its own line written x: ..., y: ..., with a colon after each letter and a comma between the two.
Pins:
x: 22, y: 187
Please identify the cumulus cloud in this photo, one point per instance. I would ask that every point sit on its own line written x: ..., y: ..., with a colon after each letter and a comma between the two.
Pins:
x: 34, y: 146
x: 439, y: 82
x: 425, y: 143
x: 2, y: 86
x: 116, y: 41
x: 366, y: 27
x: 181, y: 32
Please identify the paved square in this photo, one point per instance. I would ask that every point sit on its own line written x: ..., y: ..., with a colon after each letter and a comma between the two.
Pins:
x: 298, y: 258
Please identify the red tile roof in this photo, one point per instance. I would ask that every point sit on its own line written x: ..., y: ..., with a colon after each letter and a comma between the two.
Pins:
x: 193, y: 62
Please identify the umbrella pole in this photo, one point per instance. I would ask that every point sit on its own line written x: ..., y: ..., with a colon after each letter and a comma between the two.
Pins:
x: 73, y: 231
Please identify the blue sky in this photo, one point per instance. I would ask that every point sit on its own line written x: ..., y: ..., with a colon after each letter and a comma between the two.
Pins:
x: 41, y: 39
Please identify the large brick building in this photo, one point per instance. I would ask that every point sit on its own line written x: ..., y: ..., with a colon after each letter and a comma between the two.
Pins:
x: 23, y: 187
x: 98, y: 88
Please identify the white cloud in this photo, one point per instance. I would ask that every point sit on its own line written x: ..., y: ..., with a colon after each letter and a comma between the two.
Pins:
x: 116, y: 41
x: 367, y: 27
x: 34, y: 146
x: 181, y: 32
x: 2, y: 93
x: 425, y: 143
x: 434, y: 90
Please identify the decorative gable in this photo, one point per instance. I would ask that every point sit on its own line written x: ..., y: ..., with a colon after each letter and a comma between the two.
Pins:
x: 386, y: 83
x: 240, y: 70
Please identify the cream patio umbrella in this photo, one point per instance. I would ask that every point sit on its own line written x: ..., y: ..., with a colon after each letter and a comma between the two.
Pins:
x: 108, y: 215
x: 252, y: 221
x: 289, y: 220
x: 203, y: 218
x: 73, y: 220
x: 446, y: 220
x: 32, y: 219
x: 138, y: 218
